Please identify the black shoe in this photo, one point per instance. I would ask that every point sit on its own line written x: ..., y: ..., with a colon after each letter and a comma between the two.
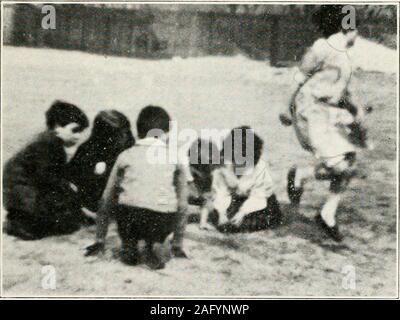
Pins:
x: 130, y: 257
x: 178, y: 253
x: 293, y: 192
x: 332, y: 232
x: 94, y: 249
x: 154, y: 262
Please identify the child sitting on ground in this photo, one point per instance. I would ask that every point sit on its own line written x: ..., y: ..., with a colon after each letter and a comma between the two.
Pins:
x: 141, y: 194
x: 91, y: 166
x: 243, y: 188
x: 39, y: 199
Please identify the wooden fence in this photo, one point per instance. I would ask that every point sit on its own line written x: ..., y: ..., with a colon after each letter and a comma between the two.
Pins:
x: 164, y: 34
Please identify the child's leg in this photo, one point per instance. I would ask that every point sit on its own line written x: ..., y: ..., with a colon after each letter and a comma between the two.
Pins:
x: 178, y: 228
x: 155, y: 229
x: 206, y: 208
x: 274, y: 212
x: 299, y: 176
x: 129, y: 252
x: 341, y: 175
x: 153, y: 260
x: 126, y: 219
x: 296, y: 179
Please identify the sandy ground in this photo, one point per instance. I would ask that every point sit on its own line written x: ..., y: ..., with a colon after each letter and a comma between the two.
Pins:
x: 200, y: 93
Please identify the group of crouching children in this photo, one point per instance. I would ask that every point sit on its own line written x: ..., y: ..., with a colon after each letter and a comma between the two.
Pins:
x: 47, y: 192
x: 110, y: 175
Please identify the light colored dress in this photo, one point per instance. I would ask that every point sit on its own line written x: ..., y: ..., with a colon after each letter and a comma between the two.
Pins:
x: 319, y: 123
x: 256, y: 184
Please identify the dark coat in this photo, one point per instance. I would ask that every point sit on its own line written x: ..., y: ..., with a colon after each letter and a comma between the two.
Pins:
x: 34, y: 179
x: 83, y: 173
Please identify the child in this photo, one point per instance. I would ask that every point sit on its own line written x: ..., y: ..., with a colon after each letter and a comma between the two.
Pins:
x: 327, y: 121
x: 244, y: 195
x: 141, y: 194
x: 196, y: 179
x: 90, y: 168
x: 39, y: 199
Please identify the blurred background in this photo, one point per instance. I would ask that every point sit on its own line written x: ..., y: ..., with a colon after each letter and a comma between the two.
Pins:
x: 279, y: 33
x: 212, y: 66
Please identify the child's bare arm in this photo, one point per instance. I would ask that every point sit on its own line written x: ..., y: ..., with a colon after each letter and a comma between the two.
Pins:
x: 182, y: 194
x: 206, y: 209
x: 313, y: 58
x: 103, y: 215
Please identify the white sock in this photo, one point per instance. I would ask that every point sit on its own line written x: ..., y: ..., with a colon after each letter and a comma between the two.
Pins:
x: 328, y: 212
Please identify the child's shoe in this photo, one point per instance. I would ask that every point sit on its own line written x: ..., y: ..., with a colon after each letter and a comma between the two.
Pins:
x: 94, y: 249
x: 130, y: 257
x: 154, y: 262
x: 332, y: 232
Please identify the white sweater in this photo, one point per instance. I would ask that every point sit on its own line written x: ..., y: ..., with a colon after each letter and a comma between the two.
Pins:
x: 256, y: 183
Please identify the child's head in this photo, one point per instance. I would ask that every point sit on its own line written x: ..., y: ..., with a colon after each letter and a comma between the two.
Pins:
x: 330, y: 19
x: 204, y: 157
x: 67, y: 121
x: 112, y: 128
x: 152, y: 121
x: 242, y: 148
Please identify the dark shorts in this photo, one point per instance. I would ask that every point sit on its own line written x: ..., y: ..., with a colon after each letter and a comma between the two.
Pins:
x: 144, y: 224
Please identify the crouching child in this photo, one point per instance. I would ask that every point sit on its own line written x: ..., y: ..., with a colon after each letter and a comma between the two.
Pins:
x: 195, y: 179
x: 141, y: 194
x: 37, y: 195
x: 91, y: 166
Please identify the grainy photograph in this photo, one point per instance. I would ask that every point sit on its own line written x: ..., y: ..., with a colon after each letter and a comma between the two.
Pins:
x: 203, y: 149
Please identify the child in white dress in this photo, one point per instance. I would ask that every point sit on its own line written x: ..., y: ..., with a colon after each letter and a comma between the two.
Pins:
x: 243, y: 188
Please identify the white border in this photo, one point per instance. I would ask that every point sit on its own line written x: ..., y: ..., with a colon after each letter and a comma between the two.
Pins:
x: 199, y: 2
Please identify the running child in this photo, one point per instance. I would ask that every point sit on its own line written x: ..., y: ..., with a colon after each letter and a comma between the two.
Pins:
x: 326, y: 118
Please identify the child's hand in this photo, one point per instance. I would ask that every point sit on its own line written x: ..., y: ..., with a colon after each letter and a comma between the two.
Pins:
x: 94, y: 249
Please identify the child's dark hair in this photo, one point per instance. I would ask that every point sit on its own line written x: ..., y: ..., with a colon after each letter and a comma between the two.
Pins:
x: 329, y: 18
x: 232, y: 142
x: 62, y: 113
x: 110, y: 125
x: 204, y: 157
x: 152, y: 117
